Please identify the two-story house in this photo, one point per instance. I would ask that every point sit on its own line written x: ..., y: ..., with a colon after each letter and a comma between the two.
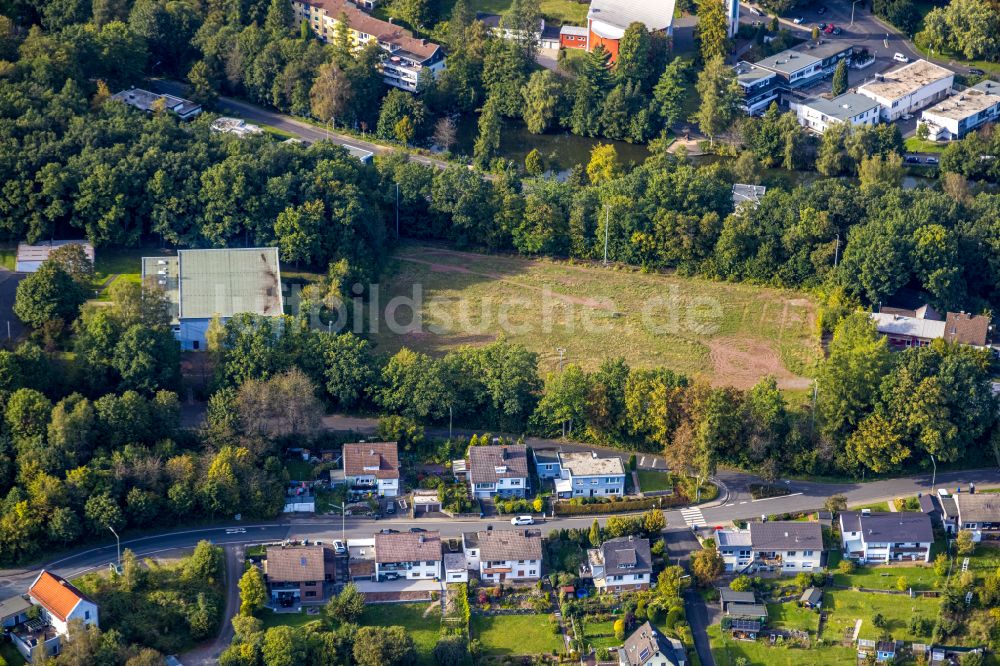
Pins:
x: 504, y: 555
x: 777, y: 546
x: 584, y: 474
x: 406, y: 60
x: 408, y: 555
x: 60, y: 604
x: 648, y: 647
x: 619, y: 565
x: 977, y: 513
x: 296, y: 574
x: 546, y: 463
x: 881, y: 536
x: 498, y: 470
x: 372, y: 467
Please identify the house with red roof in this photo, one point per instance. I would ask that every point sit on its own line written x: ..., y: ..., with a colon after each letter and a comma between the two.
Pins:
x: 60, y: 604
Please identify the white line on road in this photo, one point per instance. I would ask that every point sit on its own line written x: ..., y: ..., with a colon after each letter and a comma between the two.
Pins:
x: 764, y: 499
x: 743, y: 502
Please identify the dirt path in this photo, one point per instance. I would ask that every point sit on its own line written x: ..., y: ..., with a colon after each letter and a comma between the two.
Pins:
x: 209, y: 652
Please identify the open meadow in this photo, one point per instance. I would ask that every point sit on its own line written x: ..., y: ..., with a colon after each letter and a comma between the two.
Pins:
x: 729, y: 334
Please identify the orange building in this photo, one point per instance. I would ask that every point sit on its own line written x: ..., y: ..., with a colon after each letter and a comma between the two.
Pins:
x: 607, y: 20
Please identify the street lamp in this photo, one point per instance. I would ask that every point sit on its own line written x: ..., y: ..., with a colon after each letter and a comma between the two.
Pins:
x: 934, y: 475
x: 119, y: 543
x: 852, y: 10
x: 397, y: 211
x: 607, y: 221
x: 561, y: 351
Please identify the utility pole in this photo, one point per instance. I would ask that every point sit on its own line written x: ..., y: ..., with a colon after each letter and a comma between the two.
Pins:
x: 853, y: 5
x: 934, y: 475
x: 561, y: 351
x: 450, y: 420
x: 607, y: 221
x: 397, y: 211
x: 836, y: 253
x: 343, y: 523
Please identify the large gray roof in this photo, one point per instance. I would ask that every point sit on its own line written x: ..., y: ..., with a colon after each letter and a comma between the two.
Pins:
x: 788, y: 62
x: 654, y: 14
x: 979, y: 508
x: 884, y: 526
x: 786, y: 535
x: 487, y: 464
x: 627, y: 553
x: 844, y: 107
x: 500, y: 545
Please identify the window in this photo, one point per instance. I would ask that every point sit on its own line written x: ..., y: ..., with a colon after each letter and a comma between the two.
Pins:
x: 194, y: 345
x: 593, y: 482
x: 807, y: 553
x: 86, y: 615
x: 791, y: 553
x: 520, y: 561
x: 532, y: 572
x: 310, y: 594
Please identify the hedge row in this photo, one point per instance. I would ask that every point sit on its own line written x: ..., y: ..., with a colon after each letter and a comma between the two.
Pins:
x: 567, y: 509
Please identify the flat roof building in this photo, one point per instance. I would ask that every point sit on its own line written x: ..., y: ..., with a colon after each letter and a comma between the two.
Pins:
x: 203, y: 284
x: 147, y: 101
x: 963, y: 112
x: 794, y: 68
x: 30, y: 257
x: 909, y: 88
x: 819, y: 113
x: 760, y: 87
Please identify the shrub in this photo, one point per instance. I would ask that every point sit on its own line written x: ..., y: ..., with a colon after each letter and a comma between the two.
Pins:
x: 846, y: 567
x: 741, y: 584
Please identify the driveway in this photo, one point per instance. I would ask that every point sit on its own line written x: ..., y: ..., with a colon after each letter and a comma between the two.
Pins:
x: 209, y: 652
x: 699, y: 618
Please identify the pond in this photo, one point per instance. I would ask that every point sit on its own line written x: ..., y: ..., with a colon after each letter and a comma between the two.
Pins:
x: 560, y: 150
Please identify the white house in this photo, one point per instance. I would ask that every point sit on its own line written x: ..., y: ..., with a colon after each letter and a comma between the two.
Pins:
x: 498, y: 470
x: 372, y: 467
x: 60, y: 603
x: 909, y: 88
x: 619, y: 565
x: 786, y: 546
x: 456, y: 568
x: 408, y: 555
x: 963, y: 112
x: 760, y: 87
x: 504, y: 555
x: 978, y: 512
x: 584, y: 474
x: 648, y: 647
x: 869, y: 536
x: 204, y: 284
x: 818, y: 114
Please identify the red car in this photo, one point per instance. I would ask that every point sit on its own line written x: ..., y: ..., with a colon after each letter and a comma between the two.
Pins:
x: 829, y: 29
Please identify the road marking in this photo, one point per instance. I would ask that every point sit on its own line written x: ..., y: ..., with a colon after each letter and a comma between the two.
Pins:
x: 743, y: 502
x: 764, y: 499
x: 692, y: 516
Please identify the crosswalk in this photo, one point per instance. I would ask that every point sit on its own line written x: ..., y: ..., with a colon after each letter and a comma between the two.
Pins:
x: 692, y: 516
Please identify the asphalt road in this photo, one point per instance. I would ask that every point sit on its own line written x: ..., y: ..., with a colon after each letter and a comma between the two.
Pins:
x: 303, y: 130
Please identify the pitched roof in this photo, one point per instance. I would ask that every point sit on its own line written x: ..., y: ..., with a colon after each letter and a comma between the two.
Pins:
x: 499, y: 545
x: 812, y: 595
x: 978, y: 508
x: 13, y: 607
x: 966, y: 329
x: 644, y: 643
x: 378, y: 459
x: 294, y: 564
x: 786, y: 535
x: 408, y: 547
x: 55, y: 594
x: 628, y: 553
x: 729, y: 596
x: 487, y: 464
x: 383, y: 31
x: 884, y: 526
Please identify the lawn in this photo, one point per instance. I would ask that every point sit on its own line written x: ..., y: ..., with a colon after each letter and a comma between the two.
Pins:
x: 726, y: 652
x: 271, y: 619
x: 731, y: 333
x: 557, y: 11
x: 845, y: 607
x: 516, y: 634
x: 299, y: 470
x: 425, y: 629
x: 874, y: 506
x: 600, y: 634
x: 8, y: 259
x: 983, y: 562
x: 884, y: 578
x: 9, y: 653
x: 915, y: 145
x: 791, y: 616
x: 650, y: 481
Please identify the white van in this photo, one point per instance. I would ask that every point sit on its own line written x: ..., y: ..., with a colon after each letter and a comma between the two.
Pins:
x: 899, y: 57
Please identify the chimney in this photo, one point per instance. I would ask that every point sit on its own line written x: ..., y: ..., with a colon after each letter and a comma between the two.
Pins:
x: 786, y: 535
x: 423, y: 42
x: 421, y: 538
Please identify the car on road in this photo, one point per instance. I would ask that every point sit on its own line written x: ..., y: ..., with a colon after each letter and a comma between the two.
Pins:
x: 912, y: 159
x: 798, y: 20
x: 829, y: 29
x: 386, y: 530
x: 975, y: 71
x: 522, y: 520
x: 755, y: 11
x: 417, y: 530
x: 899, y: 57
x: 339, y: 548
x: 933, y: 160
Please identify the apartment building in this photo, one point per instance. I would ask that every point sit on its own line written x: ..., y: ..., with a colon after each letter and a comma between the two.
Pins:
x: 619, y: 565
x: 818, y: 114
x: 760, y: 87
x: 909, y: 89
x: 406, y: 59
x: 786, y: 546
x: 408, y: 555
x: 963, y: 112
x: 870, y: 536
x: 504, y: 555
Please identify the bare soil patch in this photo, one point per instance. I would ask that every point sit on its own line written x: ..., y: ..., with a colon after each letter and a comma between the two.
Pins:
x: 742, y: 362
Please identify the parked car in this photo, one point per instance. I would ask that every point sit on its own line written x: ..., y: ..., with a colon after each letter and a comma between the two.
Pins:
x: 390, y: 575
x: 339, y: 548
x: 907, y: 116
x: 975, y: 71
x: 837, y: 31
x: 386, y: 530
x: 899, y: 57
x: 522, y: 520
x: 829, y: 29
x: 912, y: 159
x: 390, y: 508
x: 798, y: 20
x: 933, y: 160
x: 417, y: 530
x: 755, y: 11
x: 821, y: 26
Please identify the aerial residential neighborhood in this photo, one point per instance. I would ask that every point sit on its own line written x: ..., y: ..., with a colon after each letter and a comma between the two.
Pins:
x: 499, y: 332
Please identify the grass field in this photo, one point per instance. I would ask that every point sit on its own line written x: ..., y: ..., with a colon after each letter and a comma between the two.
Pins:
x: 271, y: 619
x: 726, y: 652
x: 791, y: 616
x: 915, y: 145
x: 650, y: 481
x: 884, y: 578
x: 515, y: 634
x: 601, y: 634
x: 728, y: 333
x: 559, y: 11
x: 425, y: 629
x: 845, y: 607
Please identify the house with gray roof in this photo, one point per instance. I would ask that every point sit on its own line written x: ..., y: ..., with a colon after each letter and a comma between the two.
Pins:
x: 818, y: 113
x: 882, y: 536
x: 504, y: 555
x: 648, y: 647
x: 619, y: 565
x: 788, y: 546
x: 498, y: 470
x: 409, y: 555
x: 978, y: 512
x: 203, y: 284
